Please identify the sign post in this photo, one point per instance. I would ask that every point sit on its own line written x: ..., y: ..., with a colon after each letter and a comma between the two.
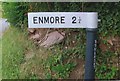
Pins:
x: 88, y: 20
x: 90, y: 54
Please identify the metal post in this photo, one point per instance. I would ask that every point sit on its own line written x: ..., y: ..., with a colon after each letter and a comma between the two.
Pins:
x: 90, y: 54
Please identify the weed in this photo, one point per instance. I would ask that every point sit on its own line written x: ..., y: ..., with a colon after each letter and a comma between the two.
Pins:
x: 14, y: 46
x: 104, y: 66
x: 104, y: 72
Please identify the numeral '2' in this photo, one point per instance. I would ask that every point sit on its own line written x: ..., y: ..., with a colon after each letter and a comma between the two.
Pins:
x: 73, y: 19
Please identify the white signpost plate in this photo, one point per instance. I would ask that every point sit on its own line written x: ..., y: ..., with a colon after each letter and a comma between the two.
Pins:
x: 62, y: 19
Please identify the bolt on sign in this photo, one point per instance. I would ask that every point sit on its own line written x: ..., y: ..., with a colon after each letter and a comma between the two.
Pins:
x: 62, y: 20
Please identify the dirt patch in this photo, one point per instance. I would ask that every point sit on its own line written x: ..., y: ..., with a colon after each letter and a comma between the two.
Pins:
x: 33, y: 65
x: 78, y: 71
x: 111, y: 44
x: 29, y: 54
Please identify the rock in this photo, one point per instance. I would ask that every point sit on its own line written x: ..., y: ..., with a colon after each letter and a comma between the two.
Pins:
x: 52, y: 38
x: 110, y: 42
x: 35, y: 37
x: 45, y: 37
x: 31, y: 30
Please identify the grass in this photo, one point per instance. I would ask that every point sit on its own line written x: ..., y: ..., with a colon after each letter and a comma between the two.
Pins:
x: 12, y: 53
x: 23, y: 60
x: 14, y: 44
x: 33, y: 67
x: 20, y: 58
x: 0, y: 45
x: 0, y: 59
x: 0, y: 9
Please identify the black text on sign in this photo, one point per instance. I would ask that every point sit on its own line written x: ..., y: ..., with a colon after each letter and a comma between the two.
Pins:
x: 62, y: 20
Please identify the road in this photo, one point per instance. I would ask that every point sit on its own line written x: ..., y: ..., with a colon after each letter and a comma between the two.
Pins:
x: 4, y: 25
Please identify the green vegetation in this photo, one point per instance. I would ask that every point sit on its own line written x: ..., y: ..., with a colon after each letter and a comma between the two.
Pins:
x: 15, y: 13
x: 0, y: 9
x: 0, y: 45
x: 14, y: 44
x: 0, y: 59
x: 22, y: 60
x: 58, y: 62
x: 12, y: 53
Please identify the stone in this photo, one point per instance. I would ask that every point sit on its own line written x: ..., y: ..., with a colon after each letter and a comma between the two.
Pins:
x: 53, y: 38
x: 31, y: 30
x: 35, y: 37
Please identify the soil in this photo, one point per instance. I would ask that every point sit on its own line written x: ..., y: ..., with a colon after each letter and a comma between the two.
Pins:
x: 78, y: 71
x: 113, y: 45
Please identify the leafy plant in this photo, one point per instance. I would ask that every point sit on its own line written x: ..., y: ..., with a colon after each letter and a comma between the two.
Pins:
x: 56, y: 68
x: 104, y: 72
x: 16, y: 13
x: 62, y: 71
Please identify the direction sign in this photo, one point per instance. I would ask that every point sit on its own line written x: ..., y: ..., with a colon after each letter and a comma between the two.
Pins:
x: 62, y: 19
x: 88, y: 20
